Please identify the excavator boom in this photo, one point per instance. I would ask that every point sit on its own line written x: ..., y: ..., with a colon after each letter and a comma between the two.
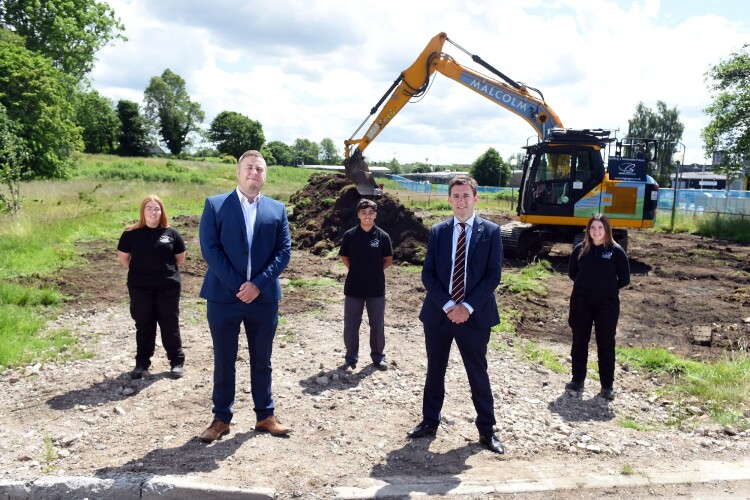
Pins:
x: 414, y: 81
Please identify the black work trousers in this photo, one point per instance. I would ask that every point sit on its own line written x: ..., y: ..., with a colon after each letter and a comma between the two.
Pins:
x: 148, y: 308
x: 601, y: 312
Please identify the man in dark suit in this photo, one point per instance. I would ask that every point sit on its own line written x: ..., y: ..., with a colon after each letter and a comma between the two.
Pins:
x: 461, y: 272
x: 246, y: 243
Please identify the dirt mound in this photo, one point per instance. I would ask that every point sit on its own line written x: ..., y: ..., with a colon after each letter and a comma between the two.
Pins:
x: 326, y: 208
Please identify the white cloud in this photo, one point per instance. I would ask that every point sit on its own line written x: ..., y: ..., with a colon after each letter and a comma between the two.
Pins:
x: 314, y: 69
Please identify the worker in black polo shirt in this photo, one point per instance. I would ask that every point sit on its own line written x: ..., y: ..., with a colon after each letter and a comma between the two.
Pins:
x: 152, y: 252
x: 366, y: 251
x: 599, y: 268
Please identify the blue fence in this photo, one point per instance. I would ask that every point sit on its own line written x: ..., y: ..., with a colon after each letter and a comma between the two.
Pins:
x: 429, y: 187
x: 705, y: 201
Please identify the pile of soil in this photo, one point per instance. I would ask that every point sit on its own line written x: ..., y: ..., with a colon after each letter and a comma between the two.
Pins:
x: 325, y: 209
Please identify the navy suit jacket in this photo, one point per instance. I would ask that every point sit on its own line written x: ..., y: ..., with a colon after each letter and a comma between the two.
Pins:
x: 484, y: 266
x: 225, y: 249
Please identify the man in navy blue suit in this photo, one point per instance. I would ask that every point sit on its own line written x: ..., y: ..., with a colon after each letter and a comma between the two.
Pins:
x: 246, y: 243
x: 461, y: 272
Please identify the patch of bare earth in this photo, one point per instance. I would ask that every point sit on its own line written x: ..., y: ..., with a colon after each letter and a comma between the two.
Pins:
x: 350, y: 426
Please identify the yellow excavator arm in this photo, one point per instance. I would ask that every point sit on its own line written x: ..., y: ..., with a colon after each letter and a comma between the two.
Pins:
x: 414, y: 82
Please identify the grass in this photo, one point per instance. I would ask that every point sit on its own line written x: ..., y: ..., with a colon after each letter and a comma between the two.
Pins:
x: 504, y: 337
x: 412, y: 269
x: 529, y: 280
x: 22, y: 314
x: 629, y: 423
x: 315, y: 283
x: 721, y: 388
x: 725, y: 226
x: 544, y: 356
x: 627, y: 470
x: 504, y: 332
x: 728, y: 227
x: 49, y: 454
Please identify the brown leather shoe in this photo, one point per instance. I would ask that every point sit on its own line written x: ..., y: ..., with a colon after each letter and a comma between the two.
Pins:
x: 272, y: 425
x: 217, y: 429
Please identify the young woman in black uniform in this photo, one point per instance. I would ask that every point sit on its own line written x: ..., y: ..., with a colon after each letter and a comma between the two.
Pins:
x: 599, y: 268
x: 153, y: 252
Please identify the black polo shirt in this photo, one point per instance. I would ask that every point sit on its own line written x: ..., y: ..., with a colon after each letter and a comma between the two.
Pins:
x: 366, y: 250
x: 601, y: 272
x: 152, y: 251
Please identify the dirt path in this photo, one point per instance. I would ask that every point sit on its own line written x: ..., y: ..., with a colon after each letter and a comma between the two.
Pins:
x: 350, y: 426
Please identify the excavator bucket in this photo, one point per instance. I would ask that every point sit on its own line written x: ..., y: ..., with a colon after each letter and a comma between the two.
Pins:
x: 357, y: 170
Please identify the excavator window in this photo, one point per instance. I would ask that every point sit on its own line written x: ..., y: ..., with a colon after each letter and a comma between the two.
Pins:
x: 589, y: 171
x: 552, y: 178
x: 565, y: 176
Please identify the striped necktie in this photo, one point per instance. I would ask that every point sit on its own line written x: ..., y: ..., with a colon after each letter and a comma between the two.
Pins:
x: 459, y: 264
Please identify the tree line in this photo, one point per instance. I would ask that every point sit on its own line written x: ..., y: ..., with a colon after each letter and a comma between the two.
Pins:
x: 49, y: 112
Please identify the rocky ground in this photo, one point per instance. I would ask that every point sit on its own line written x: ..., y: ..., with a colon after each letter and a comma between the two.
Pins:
x: 87, y: 417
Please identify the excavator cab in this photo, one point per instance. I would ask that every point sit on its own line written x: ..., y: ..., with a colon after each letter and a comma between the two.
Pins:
x: 565, y: 180
x: 560, y: 171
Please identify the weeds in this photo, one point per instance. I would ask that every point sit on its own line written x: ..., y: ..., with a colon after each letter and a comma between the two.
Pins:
x: 629, y: 423
x: 544, y: 356
x: 49, y: 454
x: 721, y: 389
x: 724, y: 226
x: 529, y: 280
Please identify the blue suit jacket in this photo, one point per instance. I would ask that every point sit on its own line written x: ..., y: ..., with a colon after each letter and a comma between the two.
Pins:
x: 484, y: 266
x: 225, y: 248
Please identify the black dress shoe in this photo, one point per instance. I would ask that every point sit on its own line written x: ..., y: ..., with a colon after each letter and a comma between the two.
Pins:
x: 422, y: 430
x: 492, y: 443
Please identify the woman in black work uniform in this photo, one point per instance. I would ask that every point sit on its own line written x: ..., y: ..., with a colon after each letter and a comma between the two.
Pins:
x: 599, y: 268
x: 152, y: 252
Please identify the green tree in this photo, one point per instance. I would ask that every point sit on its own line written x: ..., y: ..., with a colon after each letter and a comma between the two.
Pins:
x: 13, y: 156
x: 487, y: 168
x: 68, y: 32
x: 233, y: 133
x: 99, y: 122
x: 169, y: 108
x: 394, y: 166
x: 281, y: 152
x: 729, y: 128
x: 663, y: 125
x: 305, y: 152
x: 37, y: 98
x: 420, y: 168
x: 134, y: 130
x: 329, y: 155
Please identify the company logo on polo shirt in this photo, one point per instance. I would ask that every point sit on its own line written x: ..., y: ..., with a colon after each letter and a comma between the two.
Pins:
x: 164, y: 239
x: 375, y: 244
x: 606, y: 255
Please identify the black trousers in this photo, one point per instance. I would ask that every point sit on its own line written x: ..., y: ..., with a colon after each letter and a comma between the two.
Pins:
x: 602, y: 313
x: 151, y: 307
x: 472, y: 344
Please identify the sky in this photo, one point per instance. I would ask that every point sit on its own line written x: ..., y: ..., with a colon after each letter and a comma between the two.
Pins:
x: 314, y: 69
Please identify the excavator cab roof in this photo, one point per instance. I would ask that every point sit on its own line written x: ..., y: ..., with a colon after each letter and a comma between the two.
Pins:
x: 596, y: 135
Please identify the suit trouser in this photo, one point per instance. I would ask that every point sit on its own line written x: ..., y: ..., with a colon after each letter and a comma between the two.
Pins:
x: 149, y: 307
x: 260, y: 320
x: 472, y: 344
x: 602, y: 313
x: 353, y: 307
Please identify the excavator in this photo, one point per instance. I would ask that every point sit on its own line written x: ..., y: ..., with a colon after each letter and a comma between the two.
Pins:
x: 564, y: 176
